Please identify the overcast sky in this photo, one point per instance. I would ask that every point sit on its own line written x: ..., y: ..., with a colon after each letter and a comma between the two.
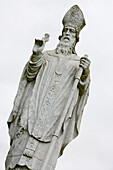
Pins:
x: 24, y: 20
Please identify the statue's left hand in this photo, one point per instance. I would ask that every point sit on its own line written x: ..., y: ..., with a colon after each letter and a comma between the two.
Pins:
x: 85, y: 63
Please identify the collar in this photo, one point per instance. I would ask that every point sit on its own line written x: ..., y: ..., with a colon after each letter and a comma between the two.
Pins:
x: 70, y: 57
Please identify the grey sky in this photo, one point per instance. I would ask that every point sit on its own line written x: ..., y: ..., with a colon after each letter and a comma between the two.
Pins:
x: 24, y: 20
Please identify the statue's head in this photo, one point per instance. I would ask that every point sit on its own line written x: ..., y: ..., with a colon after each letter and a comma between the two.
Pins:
x: 73, y: 22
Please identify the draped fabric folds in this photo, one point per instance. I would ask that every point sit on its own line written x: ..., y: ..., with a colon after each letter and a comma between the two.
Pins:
x: 42, y: 95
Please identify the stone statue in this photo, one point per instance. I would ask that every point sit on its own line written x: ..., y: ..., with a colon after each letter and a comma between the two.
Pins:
x: 49, y: 104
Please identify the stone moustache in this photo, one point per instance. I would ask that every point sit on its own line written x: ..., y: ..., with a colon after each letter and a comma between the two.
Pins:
x: 49, y: 104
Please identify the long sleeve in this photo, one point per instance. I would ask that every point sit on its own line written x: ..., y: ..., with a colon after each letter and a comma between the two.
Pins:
x: 33, y: 67
x: 83, y: 83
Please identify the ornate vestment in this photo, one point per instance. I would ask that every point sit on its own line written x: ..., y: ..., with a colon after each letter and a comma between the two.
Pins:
x: 43, y: 92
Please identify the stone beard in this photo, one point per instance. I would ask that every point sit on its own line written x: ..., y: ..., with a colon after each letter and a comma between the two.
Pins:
x: 64, y: 48
x: 50, y: 100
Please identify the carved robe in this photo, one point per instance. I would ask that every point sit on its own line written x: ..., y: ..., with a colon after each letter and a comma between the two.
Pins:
x: 42, y: 95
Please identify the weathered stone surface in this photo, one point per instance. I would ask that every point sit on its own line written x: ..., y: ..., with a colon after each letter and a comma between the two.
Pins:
x: 49, y: 104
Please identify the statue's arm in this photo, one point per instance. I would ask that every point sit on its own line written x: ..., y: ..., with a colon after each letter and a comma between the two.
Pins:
x: 36, y: 58
x: 33, y: 66
x: 85, y: 78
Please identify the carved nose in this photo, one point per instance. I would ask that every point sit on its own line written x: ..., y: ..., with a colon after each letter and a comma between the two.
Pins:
x: 68, y: 32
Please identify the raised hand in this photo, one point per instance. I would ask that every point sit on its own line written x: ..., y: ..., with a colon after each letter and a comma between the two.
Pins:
x: 40, y: 44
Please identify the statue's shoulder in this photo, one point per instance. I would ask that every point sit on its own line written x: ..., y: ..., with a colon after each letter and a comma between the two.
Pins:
x: 49, y: 53
x: 75, y: 57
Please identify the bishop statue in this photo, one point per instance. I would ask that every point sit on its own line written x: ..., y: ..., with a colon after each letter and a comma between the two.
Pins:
x: 50, y: 100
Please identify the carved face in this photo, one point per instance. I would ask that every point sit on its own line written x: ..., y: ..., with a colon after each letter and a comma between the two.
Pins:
x: 68, y: 35
x: 67, y: 41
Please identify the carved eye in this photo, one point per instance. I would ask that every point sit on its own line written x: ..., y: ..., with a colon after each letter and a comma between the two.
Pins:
x: 72, y: 30
x: 65, y: 29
